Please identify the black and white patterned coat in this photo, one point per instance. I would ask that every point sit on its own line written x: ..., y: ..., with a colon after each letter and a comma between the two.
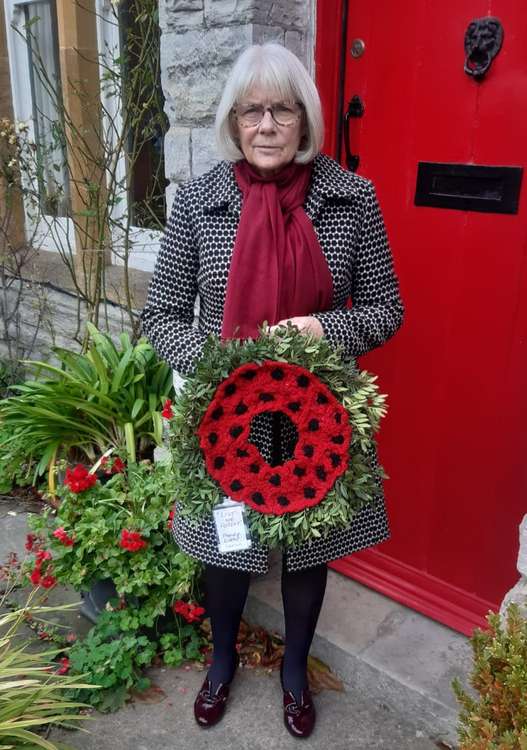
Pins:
x: 194, y: 261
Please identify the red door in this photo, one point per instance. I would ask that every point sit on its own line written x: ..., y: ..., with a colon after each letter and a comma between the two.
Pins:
x: 454, y: 442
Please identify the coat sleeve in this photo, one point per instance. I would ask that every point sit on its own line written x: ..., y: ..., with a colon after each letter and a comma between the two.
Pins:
x: 168, y: 315
x: 377, y: 310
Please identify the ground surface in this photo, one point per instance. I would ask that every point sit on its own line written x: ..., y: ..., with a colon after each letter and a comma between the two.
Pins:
x: 253, y: 720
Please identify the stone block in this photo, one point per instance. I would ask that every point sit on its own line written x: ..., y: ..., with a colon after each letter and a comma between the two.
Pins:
x: 198, y: 63
x: 227, y: 12
x: 180, y: 14
x: 296, y: 42
x: 263, y: 34
x: 517, y: 595
x: 204, y: 154
x: 181, y: 6
x: 170, y: 192
x: 177, y: 154
x: 294, y: 14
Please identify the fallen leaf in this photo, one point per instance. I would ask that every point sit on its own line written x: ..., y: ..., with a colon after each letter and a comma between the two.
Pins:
x: 153, y: 694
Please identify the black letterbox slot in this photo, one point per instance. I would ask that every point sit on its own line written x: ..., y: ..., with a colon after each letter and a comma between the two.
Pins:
x: 469, y: 187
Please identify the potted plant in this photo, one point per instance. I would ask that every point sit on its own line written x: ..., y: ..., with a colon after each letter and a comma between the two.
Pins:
x: 115, y: 531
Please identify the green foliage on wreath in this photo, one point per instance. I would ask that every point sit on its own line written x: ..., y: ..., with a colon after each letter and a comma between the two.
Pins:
x: 195, y: 490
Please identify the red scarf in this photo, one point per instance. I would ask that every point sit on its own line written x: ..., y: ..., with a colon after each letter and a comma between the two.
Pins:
x: 277, y: 269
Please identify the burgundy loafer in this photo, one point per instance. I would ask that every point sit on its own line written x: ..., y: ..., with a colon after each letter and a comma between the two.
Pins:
x: 299, y: 718
x: 209, y: 707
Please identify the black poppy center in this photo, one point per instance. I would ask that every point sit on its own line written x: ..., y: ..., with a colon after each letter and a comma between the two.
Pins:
x: 275, y: 435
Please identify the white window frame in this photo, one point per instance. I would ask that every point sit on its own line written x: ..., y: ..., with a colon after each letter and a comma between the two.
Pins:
x: 51, y: 232
x: 145, y: 242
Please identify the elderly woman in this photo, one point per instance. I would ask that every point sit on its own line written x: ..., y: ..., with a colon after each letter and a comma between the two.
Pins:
x: 275, y: 232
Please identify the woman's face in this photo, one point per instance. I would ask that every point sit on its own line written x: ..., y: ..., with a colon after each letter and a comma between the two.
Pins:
x: 268, y: 147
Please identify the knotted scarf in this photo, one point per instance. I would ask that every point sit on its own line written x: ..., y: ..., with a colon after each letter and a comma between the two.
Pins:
x: 278, y: 269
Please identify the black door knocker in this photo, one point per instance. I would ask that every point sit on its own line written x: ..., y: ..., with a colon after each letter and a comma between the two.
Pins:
x: 483, y: 40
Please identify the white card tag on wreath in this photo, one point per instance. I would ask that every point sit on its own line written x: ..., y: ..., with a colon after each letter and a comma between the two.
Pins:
x: 231, y: 527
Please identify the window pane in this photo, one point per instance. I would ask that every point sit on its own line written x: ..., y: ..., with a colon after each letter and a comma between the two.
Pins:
x: 143, y: 103
x: 44, y: 71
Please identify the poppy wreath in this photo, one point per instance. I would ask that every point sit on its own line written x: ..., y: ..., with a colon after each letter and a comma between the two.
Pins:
x: 333, y: 409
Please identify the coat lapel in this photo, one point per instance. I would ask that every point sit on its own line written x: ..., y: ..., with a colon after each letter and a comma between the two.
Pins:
x: 329, y: 182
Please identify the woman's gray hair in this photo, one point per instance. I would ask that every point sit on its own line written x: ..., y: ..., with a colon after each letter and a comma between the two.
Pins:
x: 279, y: 71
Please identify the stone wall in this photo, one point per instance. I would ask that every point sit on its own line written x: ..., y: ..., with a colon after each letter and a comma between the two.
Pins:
x: 49, y: 317
x: 201, y: 39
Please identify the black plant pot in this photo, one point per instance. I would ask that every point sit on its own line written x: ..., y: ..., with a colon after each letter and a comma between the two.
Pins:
x: 94, y: 601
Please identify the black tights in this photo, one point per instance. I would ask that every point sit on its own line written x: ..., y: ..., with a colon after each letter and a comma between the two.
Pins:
x: 302, y: 595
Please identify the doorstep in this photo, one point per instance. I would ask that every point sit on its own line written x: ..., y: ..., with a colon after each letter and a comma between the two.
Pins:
x: 390, y: 653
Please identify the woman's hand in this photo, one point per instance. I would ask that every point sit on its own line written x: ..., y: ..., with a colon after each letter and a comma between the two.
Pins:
x: 304, y: 323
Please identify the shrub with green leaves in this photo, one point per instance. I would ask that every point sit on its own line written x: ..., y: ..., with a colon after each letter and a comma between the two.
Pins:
x: 114, y: 656
x: 110, y: 396
x: 496, y: 718
x: 16, y: 467
x: 112, y: 659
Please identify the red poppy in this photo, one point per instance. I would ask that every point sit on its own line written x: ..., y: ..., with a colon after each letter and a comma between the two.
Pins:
x: 132, y: 541
x: 167, y: 412
x: 63, y: 537
x: 79, y: 479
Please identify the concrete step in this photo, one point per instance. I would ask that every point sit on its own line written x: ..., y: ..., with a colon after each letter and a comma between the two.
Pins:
x: 390, y: 653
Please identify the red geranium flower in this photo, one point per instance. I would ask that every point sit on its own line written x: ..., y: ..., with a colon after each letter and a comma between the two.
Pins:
x: 195, y: 613
x: 79, y: 479
x: 35, y: 576
x: 188, y: 610
x: 31, y: 542
x: 42, y: 554
x: 64, y: 665
x: 48, y: 581
x: 117, y: 466
x: 132, y: 541
x: 63, y: 537
x: 167, y: 412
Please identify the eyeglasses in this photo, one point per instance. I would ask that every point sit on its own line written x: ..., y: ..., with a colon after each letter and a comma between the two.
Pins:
x: 283, y: 113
